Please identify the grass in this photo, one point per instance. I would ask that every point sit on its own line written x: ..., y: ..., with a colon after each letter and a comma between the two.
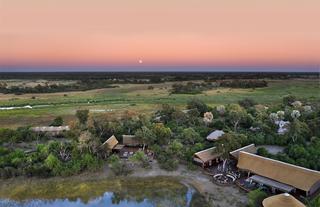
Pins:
x: 137, y: 97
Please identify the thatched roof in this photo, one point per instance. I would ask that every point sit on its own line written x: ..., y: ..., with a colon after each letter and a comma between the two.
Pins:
x: 130, y: 140
x: 207, y: 155
x: 249, y: 148
x: 215, y: 135
x: 298, y: 177
x: 50, y: 129
x: 110, y: 143
x: 282, y: 200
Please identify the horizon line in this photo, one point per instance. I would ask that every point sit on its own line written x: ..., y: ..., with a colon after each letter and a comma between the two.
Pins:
x: 152, y: 68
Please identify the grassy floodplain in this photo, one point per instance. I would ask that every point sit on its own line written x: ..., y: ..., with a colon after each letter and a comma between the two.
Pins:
x: 140, y: 99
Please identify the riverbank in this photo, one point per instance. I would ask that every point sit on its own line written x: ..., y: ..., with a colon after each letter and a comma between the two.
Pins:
x: 217, y: 196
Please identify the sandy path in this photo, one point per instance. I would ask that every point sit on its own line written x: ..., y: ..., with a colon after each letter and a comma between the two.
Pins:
x: 218, y: 196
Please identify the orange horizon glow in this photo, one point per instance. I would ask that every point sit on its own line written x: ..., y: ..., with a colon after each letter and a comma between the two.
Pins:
x: 167, y: 32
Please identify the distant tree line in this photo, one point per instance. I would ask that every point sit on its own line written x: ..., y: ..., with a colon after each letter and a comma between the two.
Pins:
x: 191, y: 87
x: 53, y: 88
x: 243, y: 83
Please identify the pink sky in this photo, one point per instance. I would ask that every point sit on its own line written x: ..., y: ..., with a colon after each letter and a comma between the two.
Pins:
x: 162, y: 32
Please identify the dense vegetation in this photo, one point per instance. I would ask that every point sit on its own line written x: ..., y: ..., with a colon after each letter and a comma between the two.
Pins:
x: 192, y: 88
x: 81, y: 85
x: 173, y: 134
x: 88, y: 81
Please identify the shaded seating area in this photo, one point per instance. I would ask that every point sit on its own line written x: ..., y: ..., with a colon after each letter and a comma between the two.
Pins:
x: 274, y: 185
x: 282, y: 200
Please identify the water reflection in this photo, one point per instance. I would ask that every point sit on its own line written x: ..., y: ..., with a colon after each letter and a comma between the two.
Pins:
x: 155, y: 195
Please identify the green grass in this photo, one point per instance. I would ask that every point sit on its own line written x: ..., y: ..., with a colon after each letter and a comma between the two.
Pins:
x: 139, y: 98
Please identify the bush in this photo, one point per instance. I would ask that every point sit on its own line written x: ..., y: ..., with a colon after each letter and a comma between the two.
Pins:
x: 287, y: 100
x: 140, y: 158
x: 199, y: 105
x: 247, y: 103
x: 57, y: 121
x: 256, y: 197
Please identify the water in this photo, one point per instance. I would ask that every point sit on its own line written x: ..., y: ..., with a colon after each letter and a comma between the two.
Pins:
x: 140, y: 193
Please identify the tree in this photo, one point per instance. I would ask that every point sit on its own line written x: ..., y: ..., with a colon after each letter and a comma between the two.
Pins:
x: 54, y: 164
x: 199, y: 105
x: 227, y: 143
x: 140, y: 158
x: 207, y: 118
x: 117, y: 166
x: 88, y: 142
x: 166, y: 113
x: 162, y: 133
x: 299, y: 131
x: 221, y: 109
x: 58, y: 121
x: 189, y: 136
x: 145, y: 135
x: 82, y: 116
x: 288, y: 100
x: 236, y: 115
x: 247, y: 103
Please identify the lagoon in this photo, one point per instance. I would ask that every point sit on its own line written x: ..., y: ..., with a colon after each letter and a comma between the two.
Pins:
x: 118, y: 192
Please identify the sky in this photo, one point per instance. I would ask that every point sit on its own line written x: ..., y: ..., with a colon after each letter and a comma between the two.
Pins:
x: 148, y: 34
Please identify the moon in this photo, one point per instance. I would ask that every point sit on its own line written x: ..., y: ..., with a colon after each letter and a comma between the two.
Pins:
x: 140, y: 61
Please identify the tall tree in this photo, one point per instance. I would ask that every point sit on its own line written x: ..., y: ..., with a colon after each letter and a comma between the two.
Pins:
x: 145, y: 135
x: 82, y: 116
x: 228, y: 143
x: 236, y: 115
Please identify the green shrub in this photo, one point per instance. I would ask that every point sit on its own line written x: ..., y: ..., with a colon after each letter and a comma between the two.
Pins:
x: 256, y: 197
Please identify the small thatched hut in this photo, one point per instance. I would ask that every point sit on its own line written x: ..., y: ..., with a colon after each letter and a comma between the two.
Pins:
x: 206, y: 158
x: 111, y: 144
x: 282, y: 200
x: 131, y: 141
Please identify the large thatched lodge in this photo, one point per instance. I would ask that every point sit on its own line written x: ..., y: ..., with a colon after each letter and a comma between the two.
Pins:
x: 279, y: 177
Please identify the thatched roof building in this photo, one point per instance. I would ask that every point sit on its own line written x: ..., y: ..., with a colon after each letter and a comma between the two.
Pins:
x: 249, y: 148
x: 52, y: 130
x: 130, y: 140
x: 215, y: 135
x: 282, y: 200
x: 206, y: 157
x: 110, y: 143
x: 300, y: 178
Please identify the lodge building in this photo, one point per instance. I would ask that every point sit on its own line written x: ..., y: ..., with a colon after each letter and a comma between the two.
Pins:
x: 279, y: 175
